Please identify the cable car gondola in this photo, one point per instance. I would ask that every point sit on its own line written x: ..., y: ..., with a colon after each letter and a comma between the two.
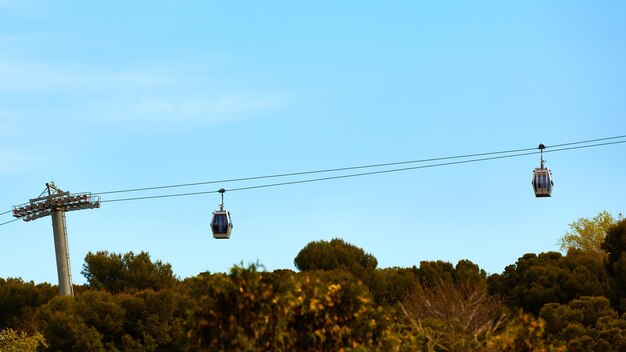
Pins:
x: 542, y: 178
x: 221, y: 224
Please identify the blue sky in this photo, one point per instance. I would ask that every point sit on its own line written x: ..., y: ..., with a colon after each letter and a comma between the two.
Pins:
x: 116, y: 95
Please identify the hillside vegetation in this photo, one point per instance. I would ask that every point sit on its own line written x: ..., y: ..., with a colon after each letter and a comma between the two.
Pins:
x: 338, y: 300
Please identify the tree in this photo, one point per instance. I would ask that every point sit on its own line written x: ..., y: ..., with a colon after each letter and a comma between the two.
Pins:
x: 155, y: 320
x: 336, y: 254
x: 432, y: 273
x: 522, y: 333
x: 248, y: 310
x: 550, y: 277
x: 458, y: 317
x: 98, y: 320
x: 131, y: 304
x: 450, y: 305
x: 615, y: 246
x: 238, y: 312
x: 19, y: 300
x: 615, y: 242
x: 586, y: 324
x: 390, y: 285
x: 116, y: 273
x: 66, y: 330
x: 13, y: 341
x: 588, y: 234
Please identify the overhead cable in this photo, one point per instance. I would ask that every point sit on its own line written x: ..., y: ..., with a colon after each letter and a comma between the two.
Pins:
x: 497, y: 155
x: 8, y: 222
x: 158, y: 196
x: 360, y: 174
x: 587, y: 141
x: 291, y: 174
x: 301, y: 173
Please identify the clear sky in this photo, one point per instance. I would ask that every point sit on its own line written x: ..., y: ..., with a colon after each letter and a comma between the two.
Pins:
x: 100, y: 96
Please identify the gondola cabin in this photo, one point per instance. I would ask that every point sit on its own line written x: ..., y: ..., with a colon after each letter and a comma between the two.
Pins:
x: 542, y: 182
x: 221, y: 225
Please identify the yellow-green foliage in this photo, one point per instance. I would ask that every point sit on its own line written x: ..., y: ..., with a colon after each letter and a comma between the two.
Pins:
x: 248, y: 310
x: 317, y: 311
x: 338, y: 302
x: 588, y: 234
x: 523, y: 333
x: 13, y: 341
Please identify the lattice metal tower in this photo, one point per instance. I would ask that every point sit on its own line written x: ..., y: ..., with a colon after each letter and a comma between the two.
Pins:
x: 56, y: 203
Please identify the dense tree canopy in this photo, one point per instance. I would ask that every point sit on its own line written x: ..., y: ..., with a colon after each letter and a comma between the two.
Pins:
x: 615, y: 246
x: 432, y: 273
x: 117, y: 273
x: 615, y: 243
x: 390, y: 285
x: 19, y: 300
x: 550, y: 277
x: 336, y: 254
x: 339, y: 300
x: 323, y: 311
x: 587, y: 324
x: 102, y: 321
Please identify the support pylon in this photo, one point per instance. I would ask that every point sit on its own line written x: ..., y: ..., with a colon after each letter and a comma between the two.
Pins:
x: 62, y: 253
x: 55, y: 204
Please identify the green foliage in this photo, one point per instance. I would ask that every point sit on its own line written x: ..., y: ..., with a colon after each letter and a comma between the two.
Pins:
x: 332, y: 310
x: 131, y: 304
x: 64, y: 328
x: 338, y: 301
x: 390, y: 285
x: 18, y: 301
x: 116, y: 273
x: 469, y: 273
x: 615, y: 242
x: 432, y: 273
x: 586, y: 324
x: 99, y: 321
x: 321, y: 311
x: 236, y: 312
x: 615, y: 246
x: 156, y: 320
x: 587, y: 235
x: 522, y: 333
x: 13, y: 341
x: 336, y: 254
x: 550, y: 277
